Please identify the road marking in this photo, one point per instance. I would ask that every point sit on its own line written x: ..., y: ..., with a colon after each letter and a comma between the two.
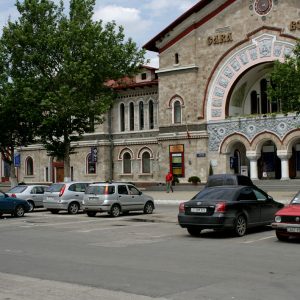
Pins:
x: 258, y: 240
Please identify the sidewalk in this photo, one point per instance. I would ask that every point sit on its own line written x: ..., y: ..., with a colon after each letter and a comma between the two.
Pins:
x: 162, y: 197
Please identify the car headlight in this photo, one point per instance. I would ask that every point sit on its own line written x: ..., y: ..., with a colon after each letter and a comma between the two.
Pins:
x: 277, y: 219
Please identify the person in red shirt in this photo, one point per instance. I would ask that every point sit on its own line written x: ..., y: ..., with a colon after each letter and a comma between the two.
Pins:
x: 169, y: 180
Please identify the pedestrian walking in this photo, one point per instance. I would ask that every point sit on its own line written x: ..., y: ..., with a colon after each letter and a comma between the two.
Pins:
x: 169, y: 181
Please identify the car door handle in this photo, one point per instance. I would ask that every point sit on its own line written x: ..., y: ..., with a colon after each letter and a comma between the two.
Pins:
x: 77, y: 195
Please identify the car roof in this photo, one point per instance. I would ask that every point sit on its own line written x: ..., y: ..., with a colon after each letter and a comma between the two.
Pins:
x: 72, y: 182
x: 112, y: 183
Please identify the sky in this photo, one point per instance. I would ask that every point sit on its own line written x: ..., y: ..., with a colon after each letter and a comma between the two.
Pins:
x: 141, y: 19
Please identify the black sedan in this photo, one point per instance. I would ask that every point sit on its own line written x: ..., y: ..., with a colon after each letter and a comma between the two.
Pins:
x: 14, y: 206
x: 227, y: 207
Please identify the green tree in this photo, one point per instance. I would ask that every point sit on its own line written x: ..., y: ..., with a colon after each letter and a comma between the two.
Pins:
x: 18, y: 123
x: 285, y: 83
x: 68, y: 59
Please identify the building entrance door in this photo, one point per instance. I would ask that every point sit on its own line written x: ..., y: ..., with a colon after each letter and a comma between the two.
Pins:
x: 59, y: 174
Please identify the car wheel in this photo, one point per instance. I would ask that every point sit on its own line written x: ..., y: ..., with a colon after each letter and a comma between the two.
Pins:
x: 194, y: 231
x: 281, y: 237
x: 19, y: 211
x: 31, y: 204
x: 240, y: 226
x: 54, y: 211
x: 148, y: 208
x: 115, y: 210
x: 91, y: 213
x: 73, y: 208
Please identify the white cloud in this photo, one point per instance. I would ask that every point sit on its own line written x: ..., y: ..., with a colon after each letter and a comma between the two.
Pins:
x: 159, y: 7
x: 117, y: 13
x: 130, y: 18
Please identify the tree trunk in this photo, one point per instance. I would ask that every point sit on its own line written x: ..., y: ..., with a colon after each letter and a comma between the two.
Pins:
x: 12, y: 175
x: 67, y: 167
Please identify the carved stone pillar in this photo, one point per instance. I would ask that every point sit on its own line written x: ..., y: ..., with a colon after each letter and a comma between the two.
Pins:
x: 284, y: 156
x: 253, y: 157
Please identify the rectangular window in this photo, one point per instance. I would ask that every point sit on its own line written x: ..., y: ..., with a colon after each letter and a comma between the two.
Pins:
x: 144, y: 76
x: 176, y: 154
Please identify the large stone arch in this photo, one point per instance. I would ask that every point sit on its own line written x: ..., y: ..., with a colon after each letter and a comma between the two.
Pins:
x: 260, y: 139
x: 229, y: 141
x: 290, y: 139
x: 261, y: 49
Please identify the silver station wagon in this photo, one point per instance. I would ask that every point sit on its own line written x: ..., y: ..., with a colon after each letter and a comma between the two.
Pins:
x: 65, y: 196
x: 116, y: 198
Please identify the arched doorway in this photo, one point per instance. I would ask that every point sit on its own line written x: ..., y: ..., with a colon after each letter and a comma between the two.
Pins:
x: 294, y: 161
x: 238, y: 159
x: 269, y: 164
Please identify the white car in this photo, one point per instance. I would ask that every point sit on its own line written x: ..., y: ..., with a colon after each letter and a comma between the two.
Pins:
x: 116, y: 198
x: 65, y: 196
x: 34, y: 194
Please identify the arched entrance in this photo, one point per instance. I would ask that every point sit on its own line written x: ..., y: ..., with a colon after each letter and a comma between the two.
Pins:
x: 269, y: 164
x: 238, y: 159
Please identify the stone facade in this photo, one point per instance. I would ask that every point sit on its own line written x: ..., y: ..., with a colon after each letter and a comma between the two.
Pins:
x: 198, y: 116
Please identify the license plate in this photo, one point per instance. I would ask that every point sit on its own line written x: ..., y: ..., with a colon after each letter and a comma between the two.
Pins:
x: 293, y: 229
x: 93, y: 198
x: 198, y: 210
x: 50, y: 198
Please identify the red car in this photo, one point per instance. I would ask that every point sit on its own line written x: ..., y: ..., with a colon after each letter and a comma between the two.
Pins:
x: 287, y: 220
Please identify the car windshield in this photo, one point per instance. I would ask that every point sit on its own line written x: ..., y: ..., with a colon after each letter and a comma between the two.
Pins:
x: 101, y: 190
x: 18, y: 189
x: 296, y: 199
x: 215, y: 194
x: 55, y: 187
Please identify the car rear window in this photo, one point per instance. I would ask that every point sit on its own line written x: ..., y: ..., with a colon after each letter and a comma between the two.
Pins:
x: 215, y: 182
x: 101, y: 190
x: 216, y: 195
x: 18, y: 189
x: 55, y: 187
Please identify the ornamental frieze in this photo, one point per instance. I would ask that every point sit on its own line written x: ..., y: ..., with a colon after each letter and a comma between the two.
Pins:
x: 264, y: 48
x: 250, y: 128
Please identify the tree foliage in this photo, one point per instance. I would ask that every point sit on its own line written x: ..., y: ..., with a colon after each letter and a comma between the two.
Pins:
x: 62, y: 63
x: 285, y: 83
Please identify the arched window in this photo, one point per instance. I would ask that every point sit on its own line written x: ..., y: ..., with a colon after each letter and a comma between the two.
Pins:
x: 151, y: 115
x: 131, y: 116
x: 29, y: 166
x: 122, y: 117
x: 127, y: 163
x: 141, y: 115
x: 146, y: 162
x: 263, y: 97
x: 177, y: 112
x: 90, y: 165
x: 254, y: 103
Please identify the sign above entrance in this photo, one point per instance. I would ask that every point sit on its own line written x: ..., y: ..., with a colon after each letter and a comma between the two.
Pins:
x: 220, y: 39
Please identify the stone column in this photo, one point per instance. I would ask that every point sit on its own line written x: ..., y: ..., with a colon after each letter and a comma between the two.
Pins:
x: 253, y: 157
x: 126, y: 116
x: 146, y: 115
x: 284, y: 156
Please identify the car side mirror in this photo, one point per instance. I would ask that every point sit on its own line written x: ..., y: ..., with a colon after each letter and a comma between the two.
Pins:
x: 270, y: 198
x: 140, y: 193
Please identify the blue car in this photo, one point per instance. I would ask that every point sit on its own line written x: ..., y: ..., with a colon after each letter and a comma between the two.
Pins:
x: 14, y: 206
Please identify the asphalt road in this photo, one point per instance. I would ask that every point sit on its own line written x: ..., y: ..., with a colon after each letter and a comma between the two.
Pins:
x: 45, y: 256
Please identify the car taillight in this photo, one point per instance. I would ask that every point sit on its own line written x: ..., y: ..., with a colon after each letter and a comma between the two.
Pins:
x: 220, y: 207
x: 181, y: 207
x: 14, y: 195
x: 62, y: 191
